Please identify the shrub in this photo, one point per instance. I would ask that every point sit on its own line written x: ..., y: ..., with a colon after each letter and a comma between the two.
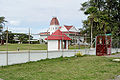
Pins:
x: 79, y: 54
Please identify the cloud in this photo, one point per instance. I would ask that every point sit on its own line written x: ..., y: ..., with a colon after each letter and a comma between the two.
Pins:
x: 14, y: 23
x: 23, y: 13
x: 19, y: 30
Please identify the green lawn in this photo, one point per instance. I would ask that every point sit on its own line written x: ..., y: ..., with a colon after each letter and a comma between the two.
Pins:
x: 14, y: 47
x: 77, y: 47
x: 75, y: 68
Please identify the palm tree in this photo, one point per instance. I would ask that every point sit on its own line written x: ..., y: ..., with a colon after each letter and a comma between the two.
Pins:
x: 2, y: 23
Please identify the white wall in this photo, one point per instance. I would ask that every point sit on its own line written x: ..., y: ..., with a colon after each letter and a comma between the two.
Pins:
x: 52, y: 45
x: 63, y: 29
x: 53, y: 28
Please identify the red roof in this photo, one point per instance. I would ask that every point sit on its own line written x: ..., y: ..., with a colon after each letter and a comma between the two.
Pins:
x: 58, y: 35
x: 60, y: 27
x: 54, y: 21
x: 68, y: 27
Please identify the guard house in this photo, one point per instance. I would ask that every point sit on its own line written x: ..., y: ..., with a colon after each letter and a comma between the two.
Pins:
x: 58, y: 41
x: 103, y: 45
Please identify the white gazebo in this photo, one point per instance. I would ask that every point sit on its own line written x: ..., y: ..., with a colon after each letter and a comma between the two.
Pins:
x: 58, y: 41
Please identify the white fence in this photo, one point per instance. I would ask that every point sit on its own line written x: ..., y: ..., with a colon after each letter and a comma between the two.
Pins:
x: 25, y: 56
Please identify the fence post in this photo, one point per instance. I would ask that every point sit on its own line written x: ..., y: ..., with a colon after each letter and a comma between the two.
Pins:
x: 117, y: 45
x: 47, y: 43
x: 75, y: 43
x: 7, y: 46
x: 62, y: 44
x: 29, y: 47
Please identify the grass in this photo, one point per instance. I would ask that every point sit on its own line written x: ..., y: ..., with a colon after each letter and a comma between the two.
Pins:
x: 115, y: 53
x: 77, y: 47
x: 14, y: 47
x: 74, y: 68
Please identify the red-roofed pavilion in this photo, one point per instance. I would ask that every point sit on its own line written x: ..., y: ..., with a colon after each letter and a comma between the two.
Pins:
x: 58, y: 41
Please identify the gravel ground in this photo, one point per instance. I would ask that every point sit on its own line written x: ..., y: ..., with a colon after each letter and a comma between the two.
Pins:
x: 117, y: 77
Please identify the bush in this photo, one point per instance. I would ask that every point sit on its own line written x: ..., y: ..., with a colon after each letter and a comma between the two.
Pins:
x: 79, y: 54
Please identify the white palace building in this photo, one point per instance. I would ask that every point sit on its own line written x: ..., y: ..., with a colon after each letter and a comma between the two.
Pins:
x: 70, y: 31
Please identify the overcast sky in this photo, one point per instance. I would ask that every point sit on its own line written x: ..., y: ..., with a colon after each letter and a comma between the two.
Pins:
x: 36, y: 14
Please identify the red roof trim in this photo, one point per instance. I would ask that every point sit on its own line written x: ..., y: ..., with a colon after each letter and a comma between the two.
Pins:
x: 58, y: 35
x: 68, y: 27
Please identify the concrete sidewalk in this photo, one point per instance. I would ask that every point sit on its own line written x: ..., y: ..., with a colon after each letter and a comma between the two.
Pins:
x: 116, y: 55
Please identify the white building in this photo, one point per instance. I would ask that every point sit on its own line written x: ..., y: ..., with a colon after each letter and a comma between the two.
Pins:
x: 58, y: 41
x: 70, y: 31
x: 54, y: 25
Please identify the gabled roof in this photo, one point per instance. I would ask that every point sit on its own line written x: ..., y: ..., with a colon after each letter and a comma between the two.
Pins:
x: 68, y: 27
x: 58, y: 35
x: 73, y: 29
x: 54, y: 21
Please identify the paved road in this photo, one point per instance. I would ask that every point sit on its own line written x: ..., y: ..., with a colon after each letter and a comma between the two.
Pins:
x: 15, y: 57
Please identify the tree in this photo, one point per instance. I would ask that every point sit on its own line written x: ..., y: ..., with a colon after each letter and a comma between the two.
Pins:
x: 24, y: 38
x: 10, y: 36
x: 105, y: 15
x: 2, y: 23
x: 20, y: 36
